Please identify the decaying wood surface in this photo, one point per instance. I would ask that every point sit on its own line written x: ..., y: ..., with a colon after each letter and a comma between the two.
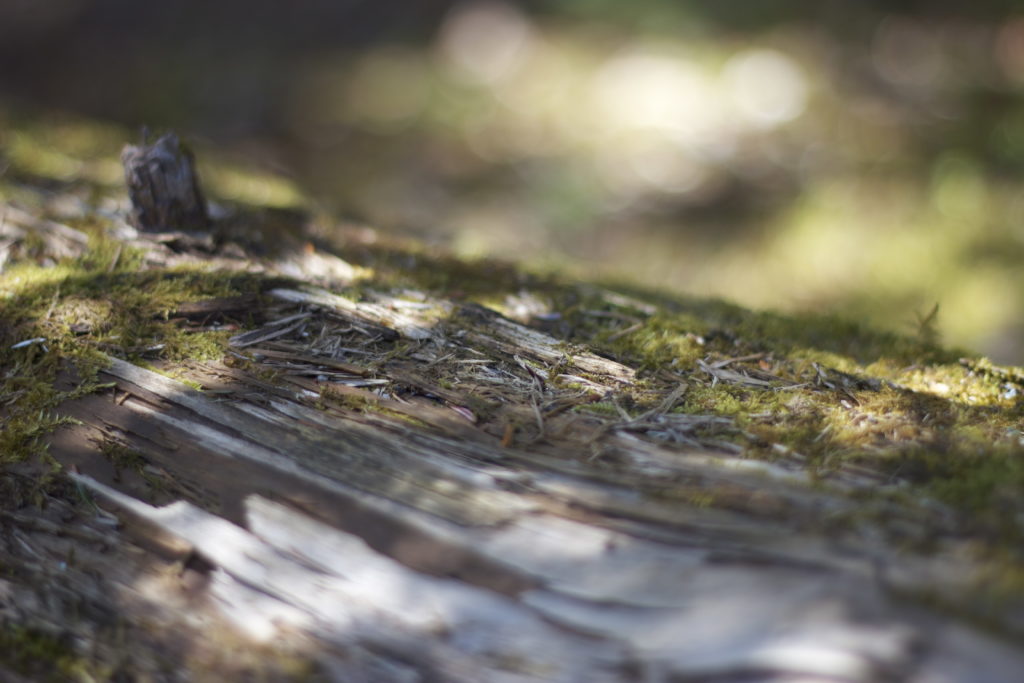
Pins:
x: 328, y: 507
x: 375, y: 487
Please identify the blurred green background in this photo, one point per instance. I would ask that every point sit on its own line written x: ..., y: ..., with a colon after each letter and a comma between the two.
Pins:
x: 863, y: 158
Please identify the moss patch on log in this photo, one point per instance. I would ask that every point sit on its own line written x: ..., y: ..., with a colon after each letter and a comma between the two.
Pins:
x: 822, y: 390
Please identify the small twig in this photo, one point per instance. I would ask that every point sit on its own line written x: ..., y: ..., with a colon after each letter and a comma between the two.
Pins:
x: 621, y: 333
x: 539, y: 417
x: 613, y: 315
x: 117, y: 257
x: 53, y: 304
x: 738, y: 359
x: 29, y: 342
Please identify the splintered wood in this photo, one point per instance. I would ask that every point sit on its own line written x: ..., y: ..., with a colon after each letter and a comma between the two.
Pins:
x: 400, y: 490
x: 164, y: 187
x: 19, y: 228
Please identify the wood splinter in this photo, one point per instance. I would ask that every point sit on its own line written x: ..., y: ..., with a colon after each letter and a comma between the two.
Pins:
x: 163, y: 186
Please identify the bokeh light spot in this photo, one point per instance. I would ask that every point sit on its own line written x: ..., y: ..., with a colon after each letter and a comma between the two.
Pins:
x: 485, y: 41
x: 766, y: 87
x: 637, y: 90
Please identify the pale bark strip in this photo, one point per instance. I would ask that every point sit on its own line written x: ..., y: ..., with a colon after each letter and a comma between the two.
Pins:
x: 361, y: 457
x: 338, y: 589
x: 378, y: 314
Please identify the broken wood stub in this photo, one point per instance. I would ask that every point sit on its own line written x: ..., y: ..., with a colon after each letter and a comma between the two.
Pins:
x: 163, y: 186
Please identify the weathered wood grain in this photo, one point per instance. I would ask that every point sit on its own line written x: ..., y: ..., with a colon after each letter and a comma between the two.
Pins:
x: 394, y: 491
x: 465, y: 560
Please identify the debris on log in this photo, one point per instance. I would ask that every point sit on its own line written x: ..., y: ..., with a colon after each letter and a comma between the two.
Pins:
x: 164, y: 186
x: 277, y: 465
x: 54, y: 241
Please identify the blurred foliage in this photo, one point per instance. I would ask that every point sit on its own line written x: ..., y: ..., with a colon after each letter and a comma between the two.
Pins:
x: 864, y: 159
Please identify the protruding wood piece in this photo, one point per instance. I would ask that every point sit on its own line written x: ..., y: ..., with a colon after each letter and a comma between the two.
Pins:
x: 163, y: 186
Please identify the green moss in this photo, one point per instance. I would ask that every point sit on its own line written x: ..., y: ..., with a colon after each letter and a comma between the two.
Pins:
x: 123, y: 457
x: 848, y: 395
x: 349, y: 401
x: 101, y: 303
x: 400, y: 265
x: 42, y: 656
x: 985, y: 481
x: 363, y: 403
x: 603, y: 408
x: 673, y: 341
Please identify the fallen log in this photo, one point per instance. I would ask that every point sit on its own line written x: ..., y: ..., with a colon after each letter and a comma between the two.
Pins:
x: 336, y: 477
